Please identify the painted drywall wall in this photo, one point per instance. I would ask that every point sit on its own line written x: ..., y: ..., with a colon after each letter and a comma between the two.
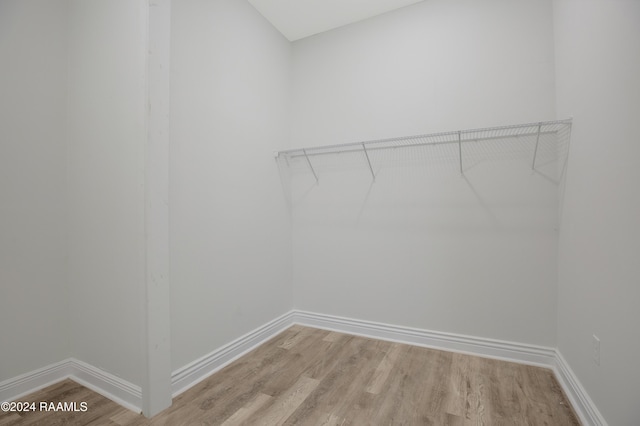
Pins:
x: 433, y: 66
x: 156, y: 384
x: 598, y: 64
x: 424, y: 246
x: 107, y: 133
x: 32, y: 185
x: 230, y: 235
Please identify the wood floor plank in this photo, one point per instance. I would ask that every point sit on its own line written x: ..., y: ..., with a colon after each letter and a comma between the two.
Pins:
x: 283, y: 406
x: 306, y: 376
x: 334, y: 353
x: 474, y: 393
x: 10, y: 419
x: 299, y: 358
x: 329, y: 420
x: 238, y: 387
x: 242, y: 415
x: 384, y: 368
x: 235, y: 385
x: 124, y: 417
x: 293, y: 340
x: 342, y: 383
x: 332, y: 336
x: 423, y: 382
x: 387, y: 406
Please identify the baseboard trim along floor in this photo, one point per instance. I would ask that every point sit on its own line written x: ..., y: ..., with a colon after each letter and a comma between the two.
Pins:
x: 116, y: 389
x: 129, y: 395
x: 14, y: 388
x: 195, y: 372
x: 577, y: 395
x: 490, y: 348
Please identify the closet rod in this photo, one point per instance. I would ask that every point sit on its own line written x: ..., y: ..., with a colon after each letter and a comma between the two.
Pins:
x: 357, y: 147
x: 458, y: 137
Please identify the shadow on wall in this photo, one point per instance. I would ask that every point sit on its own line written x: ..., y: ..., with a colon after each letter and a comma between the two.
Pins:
x: 488, y: 182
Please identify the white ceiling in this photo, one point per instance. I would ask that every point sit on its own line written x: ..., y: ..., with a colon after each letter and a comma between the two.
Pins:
x: 297, y: 19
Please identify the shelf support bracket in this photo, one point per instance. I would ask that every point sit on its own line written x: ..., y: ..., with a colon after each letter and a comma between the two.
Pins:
x: 369, y: 162
x: 310, y: 166
x: 535, y: 152
x: 460, y: 149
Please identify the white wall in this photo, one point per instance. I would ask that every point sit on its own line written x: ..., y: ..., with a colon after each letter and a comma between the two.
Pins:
x: 598, y: 64
x: 433, y: 66
x: 32, y: 185
x: 423, y: 246
x: 107, y: 106
x: 230, y: 233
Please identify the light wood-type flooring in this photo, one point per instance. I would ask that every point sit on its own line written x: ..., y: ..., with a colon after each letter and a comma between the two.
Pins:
x: 306, y: 376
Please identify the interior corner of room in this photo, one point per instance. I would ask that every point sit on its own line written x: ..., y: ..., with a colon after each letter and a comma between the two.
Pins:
x: 449, y: 173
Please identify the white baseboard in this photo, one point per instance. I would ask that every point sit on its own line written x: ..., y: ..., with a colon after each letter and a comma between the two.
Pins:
x: 17, y: 387
x: 580, y: 400
x: 489, y: 348
x: 116, y: 389
x: 195, y: 372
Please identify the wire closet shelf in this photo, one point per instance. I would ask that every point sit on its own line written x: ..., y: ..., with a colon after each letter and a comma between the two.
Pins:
x: 458, y: 137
